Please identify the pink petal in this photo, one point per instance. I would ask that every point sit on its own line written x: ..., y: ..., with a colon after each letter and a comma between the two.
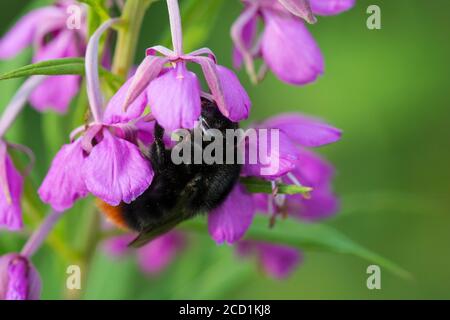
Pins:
x: 116, y: 171
x: 34, y: 283
x: 174, y: 98
x: 64, y: 183
x: 261, y: 201
x: 145, y: 132
x: 10, y: 209
x: 23, y: 33
x: 306, y: 131
x: 279, y: 261
x: 275, y: 157
x: 148, y: 70
x: 299, y: 8
x: 156, y: 255
x: 55, y: 93
x: 209, y: 68
x: 118, y: 246
x: 64, y: 45
x: 114, y: 112
x: 311, y: 170
x: 4, y: 279
x: 331, y: 7
x: 243, y: 33
x: 236, y: 98
x: 229, y: 222
x: 321, y: 204
x: 289, y: 49
x: 19, y: 279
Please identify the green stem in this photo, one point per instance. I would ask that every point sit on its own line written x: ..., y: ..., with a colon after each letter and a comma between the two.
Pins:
x: 255, y: 185
x: 89, y: 246
x: 132, y: 17
x: 54, y: 240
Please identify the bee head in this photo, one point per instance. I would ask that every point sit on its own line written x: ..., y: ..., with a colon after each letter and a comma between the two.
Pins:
x: 212, y: 118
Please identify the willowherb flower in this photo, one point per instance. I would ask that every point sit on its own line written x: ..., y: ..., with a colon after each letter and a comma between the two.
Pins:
x: 229, y: 222
x: 277, y: 261
x: 46, y: 30
x: 311, y: 171
x: 152, y: 258
x: 303, y: 168
x: 19, y: 279
x: 298, y: 166
x: 105, y: 160
x: 174, y: 92
x: 285, y: 45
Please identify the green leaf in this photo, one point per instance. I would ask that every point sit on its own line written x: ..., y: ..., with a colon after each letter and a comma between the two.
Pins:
x: 50, y: 67
x: 66, y: 66
x: 254, y: 185
x: 221, y: 261
x: 312, y: 237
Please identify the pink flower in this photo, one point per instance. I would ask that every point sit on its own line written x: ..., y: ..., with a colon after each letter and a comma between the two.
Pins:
x: 113, y: 170
x: 19, y: 280
x: 36, y: 28
x: 299, y: 166
x: 11, y: 183
x: 106, y: 161
x: 64, y: 183
x: 276, y: 260
x: 174, y: 93
x: 285, y: 45
x: 229, y: 222
x: 306, y: 168
x: 153, y: 257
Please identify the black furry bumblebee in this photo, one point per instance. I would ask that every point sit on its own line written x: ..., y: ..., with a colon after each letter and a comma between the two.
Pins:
x: 178, y: 191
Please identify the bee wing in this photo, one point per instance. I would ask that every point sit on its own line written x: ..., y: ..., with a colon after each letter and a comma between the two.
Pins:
x: 155, y: 231
x: 176, y: 216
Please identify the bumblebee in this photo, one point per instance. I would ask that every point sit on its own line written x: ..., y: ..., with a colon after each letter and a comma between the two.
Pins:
x: 179, y: 191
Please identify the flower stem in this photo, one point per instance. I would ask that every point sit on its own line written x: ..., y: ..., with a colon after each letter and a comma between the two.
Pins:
x: 175, y: 26
x: 132, y: 17
x: 18, y: 102
x: 38, y: 237
x: 90, y: 239
x: 92, y: 77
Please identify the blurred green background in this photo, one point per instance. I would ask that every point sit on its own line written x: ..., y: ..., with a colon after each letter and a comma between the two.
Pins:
x: 387, y: 89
